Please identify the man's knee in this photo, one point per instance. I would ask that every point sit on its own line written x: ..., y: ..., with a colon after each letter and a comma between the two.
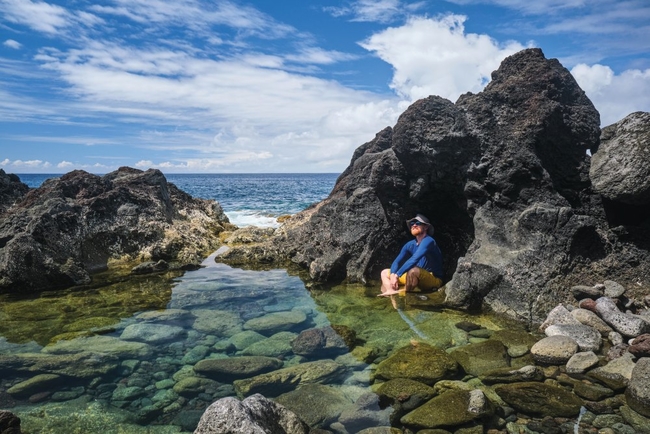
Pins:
x: 385, y: 273
x: 413, y: 272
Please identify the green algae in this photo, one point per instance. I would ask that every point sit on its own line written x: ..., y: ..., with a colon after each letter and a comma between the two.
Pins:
x: 96, y: 310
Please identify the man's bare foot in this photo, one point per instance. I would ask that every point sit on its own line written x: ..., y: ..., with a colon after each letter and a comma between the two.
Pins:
x: 388, y: 293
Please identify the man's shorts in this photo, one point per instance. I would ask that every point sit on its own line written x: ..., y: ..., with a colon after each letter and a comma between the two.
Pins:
x: 426, y: 280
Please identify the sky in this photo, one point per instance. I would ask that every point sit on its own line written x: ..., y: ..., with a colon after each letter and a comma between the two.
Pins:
x: 228, y: 86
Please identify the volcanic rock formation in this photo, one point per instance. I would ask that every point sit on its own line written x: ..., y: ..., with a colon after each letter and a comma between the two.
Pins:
x: 58, y: 234
x: 504, y: 177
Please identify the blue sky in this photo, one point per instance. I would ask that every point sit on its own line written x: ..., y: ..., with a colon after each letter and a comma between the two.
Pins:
x: 276, y: 86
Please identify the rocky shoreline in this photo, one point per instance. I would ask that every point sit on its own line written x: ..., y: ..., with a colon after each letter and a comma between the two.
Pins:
x: 59, y: 234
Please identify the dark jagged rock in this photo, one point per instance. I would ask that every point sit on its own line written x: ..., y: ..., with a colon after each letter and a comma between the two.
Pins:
x: 620, y: 169
x: 75, y: 225
x: 11, y: 191
x: 504, y: 177
x: 9, y: 422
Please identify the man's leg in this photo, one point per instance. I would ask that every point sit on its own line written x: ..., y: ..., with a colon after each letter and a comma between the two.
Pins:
x: 386, y: 285
x: 412, y: 279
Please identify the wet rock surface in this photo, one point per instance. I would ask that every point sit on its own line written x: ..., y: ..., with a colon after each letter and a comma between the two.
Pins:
x: 59, y: 234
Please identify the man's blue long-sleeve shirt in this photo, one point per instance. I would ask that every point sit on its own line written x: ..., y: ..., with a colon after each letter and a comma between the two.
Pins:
x: 426, y: 255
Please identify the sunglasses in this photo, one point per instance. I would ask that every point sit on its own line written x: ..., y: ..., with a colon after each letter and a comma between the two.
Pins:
x: 416, y: 223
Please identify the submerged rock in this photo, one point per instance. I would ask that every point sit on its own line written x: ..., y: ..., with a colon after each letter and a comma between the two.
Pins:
x: 452, y: 408
x: 316, y: 404
x: 540, y: 399
x: 477, y: 359
x: 83, y: 365
x: 232, y: 368
x: 277, y: 382
x: 275, y: 322
x: 320, y: 342
x: 420, y: 362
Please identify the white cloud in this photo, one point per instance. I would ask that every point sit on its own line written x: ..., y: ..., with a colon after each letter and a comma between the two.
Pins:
x: 65, y: 165
x: 527, y: 6
x: 614, y: 95
x: 29, y: 164
x: 380, y: 11
x: 12, y: 44
x: 436, y: 57
x: 197, y: 15
x: 40, y: 16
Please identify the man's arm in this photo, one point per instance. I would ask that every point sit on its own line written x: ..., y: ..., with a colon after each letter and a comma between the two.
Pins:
x: 422, y: 249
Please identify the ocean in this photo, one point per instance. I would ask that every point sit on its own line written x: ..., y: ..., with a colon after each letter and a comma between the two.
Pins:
x: 247, y: 199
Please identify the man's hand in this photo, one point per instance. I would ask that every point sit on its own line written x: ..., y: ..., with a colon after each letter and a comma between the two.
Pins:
x: 394, y: 281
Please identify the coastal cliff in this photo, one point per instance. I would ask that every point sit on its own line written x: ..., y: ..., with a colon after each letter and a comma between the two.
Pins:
x: 60, y: 233
x: 504, y: 177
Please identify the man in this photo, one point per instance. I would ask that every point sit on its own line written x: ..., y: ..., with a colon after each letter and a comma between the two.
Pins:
x: 419, y: 263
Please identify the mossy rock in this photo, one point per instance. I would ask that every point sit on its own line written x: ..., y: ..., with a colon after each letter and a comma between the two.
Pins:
x: 316, y: 404
x: 420, y: 362
x: 540, y: 399
x: 348, y: 335
x: 401, y: 389
x: 450, y: 409
x: 231, y: 368
x: 477, y: 359
x: 514, y: 338
x: 97, y: 323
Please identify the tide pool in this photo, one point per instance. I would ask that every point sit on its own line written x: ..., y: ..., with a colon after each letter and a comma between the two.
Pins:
x: 149, y: 354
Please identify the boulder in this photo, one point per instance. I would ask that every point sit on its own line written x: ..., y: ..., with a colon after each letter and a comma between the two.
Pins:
x: 614, y: 289
x: 37, y: 383
x: 151, y: 333
x: 540, y: 399
x: 275, y: 322
x: 365, y: 412
x: 554, y: 350
x: 84, y: 365
x: 616, y: 373
x: 581, y: 362
x: 278, y: 345
x: 450, y: 409
x: 587, y: 338
x: 637, y: 393
x: 626, y: 324
x: 619, y: 170
x: 253, y: 415
x: 316, y: 404
x: 12, y: 190
x: 402, y: 389
x: 283, y: 380
x: 75, y: 225
x: 420, y: 362
x: 640, y: 346
x: 231, y: 368
x: 9, y: 422
x: 509, y: 375
x: 477, y: 359
x: 558, y: 315
x: 591, y: 319
x: 319, y: 343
